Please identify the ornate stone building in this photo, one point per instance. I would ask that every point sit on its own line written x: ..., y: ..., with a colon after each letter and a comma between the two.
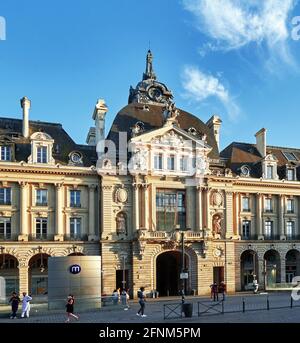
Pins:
x: 157, y: 183
x: 238, y: 208
x: 48, y: 200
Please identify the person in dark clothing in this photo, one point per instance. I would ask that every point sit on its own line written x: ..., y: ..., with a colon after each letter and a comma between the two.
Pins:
x: 14, y: 300
x: 214, y: 289
x: 142, y: 300
x: 70, y: 308
x: 222, y: 289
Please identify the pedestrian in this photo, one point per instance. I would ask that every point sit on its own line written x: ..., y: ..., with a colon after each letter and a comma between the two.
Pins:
x: 115, y: 297
x: 222, y: 289
x: 14, y: 300
x: 26, y: 305
x: 142, y: 300
x: 214, y: 288
x: 70, y: 308
x: 124, y: 299
x: 255, y: 286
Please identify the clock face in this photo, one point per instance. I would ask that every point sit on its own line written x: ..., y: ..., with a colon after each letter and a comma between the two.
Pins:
x: 155, y: 93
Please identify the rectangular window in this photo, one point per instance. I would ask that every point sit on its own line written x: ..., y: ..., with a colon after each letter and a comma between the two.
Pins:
x: 270, y: 172
x: 290, y: 206
x: 75, y: 198
x: 158, y: 159
x: 269, y: 229
x: 5, y: 196
x: 291, y: 174
x: 268, y: 205
x: 5, y: 153
x: 171, y: 162
x: 170, y: 209
x: 290, y: 229
x: 246, y: 204
x: 41, y: 197
x: 246, y: 229
x: 75, y: 227
x: 184, y: 163
x: 41, y: 228
x: 5, y: 228
x: 41, y: 154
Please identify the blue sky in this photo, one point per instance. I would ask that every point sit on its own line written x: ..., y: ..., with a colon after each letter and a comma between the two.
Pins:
x: 233, y: 58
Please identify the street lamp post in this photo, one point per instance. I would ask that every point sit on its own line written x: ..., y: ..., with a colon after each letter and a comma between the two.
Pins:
x: 123, y: 281
x: 182, y: 267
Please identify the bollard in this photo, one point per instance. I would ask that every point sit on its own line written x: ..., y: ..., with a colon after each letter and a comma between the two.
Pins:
x: 291, y: 302
x: 222, y: 306
x: 244, y: 305
x: 268, y: 303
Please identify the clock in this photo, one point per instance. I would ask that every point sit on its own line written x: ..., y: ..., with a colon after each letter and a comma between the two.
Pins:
x: 154, y: 93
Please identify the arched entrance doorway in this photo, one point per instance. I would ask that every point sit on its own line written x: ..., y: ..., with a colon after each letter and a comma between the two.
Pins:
x: 271, y: 268
x: 249, y: 269
x: 38, y: 274
x: 9, y: 270
x: 168, y: 268
x: 292, y: 265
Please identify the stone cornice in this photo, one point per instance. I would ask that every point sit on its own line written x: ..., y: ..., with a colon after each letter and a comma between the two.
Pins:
x: 54, y: 170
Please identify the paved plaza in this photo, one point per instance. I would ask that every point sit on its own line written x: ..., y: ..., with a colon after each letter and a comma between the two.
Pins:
x: 255, y: 307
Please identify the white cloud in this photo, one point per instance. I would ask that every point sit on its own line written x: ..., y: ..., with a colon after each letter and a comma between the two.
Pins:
x: 199, y: 86
x: 233, y: 24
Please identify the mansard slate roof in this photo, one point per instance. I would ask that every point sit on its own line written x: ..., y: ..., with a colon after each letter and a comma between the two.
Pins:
x: 11, y: 130
x: 152, y: 118
x: 244, y: 154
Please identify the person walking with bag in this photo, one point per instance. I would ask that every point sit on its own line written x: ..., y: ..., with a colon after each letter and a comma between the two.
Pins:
x: 142, y: 300
x: 70, y: 308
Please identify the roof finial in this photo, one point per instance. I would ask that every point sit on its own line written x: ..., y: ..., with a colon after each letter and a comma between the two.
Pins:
x: 149, y: 73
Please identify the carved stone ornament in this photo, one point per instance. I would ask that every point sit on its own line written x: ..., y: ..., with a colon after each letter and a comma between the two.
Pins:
x: 121, y: 195
x: 217, y: 199
x: 217, y: 252
x: 170, y: 245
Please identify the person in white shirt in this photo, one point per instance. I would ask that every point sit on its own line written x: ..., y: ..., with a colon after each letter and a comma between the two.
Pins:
x: 25, y: 305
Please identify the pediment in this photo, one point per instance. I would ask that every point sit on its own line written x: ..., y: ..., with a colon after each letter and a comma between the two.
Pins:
x: 271, y: 157
x: 172, y: 136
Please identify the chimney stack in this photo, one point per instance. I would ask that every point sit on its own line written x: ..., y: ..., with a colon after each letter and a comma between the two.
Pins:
x: 261, y: 142
x: 25, y: 104
x: 214, y: 124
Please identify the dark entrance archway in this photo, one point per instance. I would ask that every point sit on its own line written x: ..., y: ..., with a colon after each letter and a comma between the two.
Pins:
x: 38, y: 274
x: 249, y: 269
x: 272, y: 268
x: 292, y: 265
x: 9, y: 270
x: 168, y: 268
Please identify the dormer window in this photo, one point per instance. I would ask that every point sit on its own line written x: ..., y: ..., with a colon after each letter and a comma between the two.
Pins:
x: 41, y: 156
x: 245, y: 171
x: 270, y: 172
x: 5, y: 153
x: 75, y: 158
x: 41, y: 148
x: 290, y: 156
x: 290, y: 174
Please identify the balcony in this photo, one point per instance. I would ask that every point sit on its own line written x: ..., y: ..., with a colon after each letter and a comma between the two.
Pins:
x: 8, y: 237
x: 5, y: 203
x: 41, y: 204
x: 41, y: 237
x: 78, y: 237
x: 73, y: 205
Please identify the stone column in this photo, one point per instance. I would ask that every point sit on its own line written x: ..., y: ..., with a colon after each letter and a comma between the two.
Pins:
x: 59, y: 230
x: 23, y: 278
x: 237, y: 214
x: 136, y: 219
x: 146, y: 205
x: 258, y: 216
x: 199, y: 209
x: 261, y: 272
x: 208, y: 219
x: 229, y: 215
x: 92, y: 232
x: 281, y: 220
x: 24, y: 227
